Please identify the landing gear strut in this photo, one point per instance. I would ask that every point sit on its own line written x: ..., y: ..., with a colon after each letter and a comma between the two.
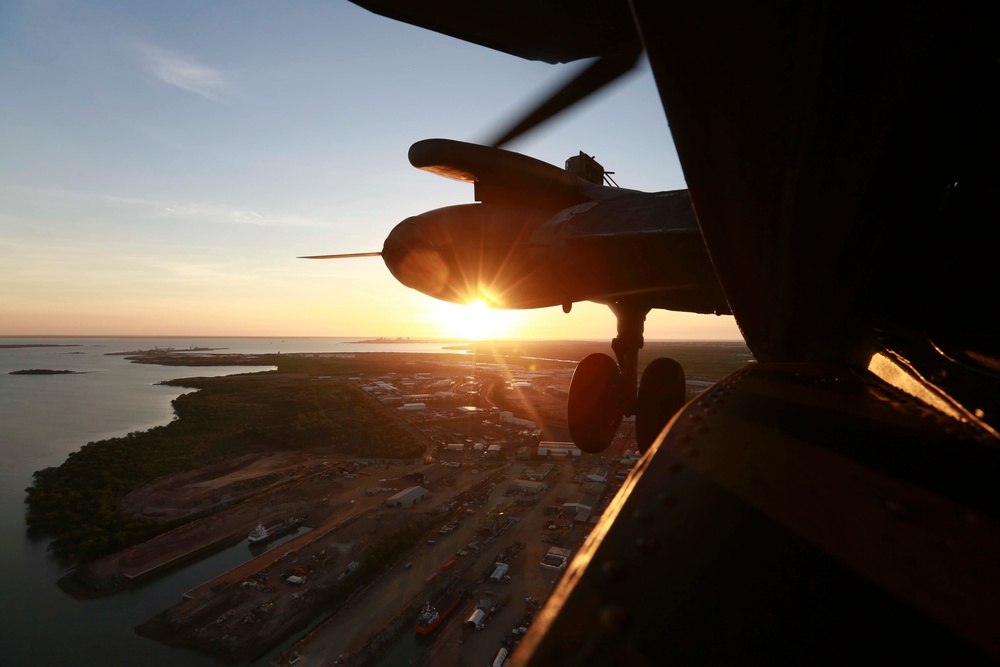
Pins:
x: 603, y: 390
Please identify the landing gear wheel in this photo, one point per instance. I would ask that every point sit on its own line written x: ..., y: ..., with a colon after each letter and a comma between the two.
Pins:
x: 661, y: 395
x: 595, y: 409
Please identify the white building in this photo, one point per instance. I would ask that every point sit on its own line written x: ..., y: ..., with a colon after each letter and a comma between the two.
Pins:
x: 509, y: 418
x: 499, y: 572
x: 599, y: 474
x: 528, y: 486
x: 558, y: 449
x: 476, y: 619
x: 538, y: 472
x: 582, y: 509
x: 556, y: 559
x: 407, y: 497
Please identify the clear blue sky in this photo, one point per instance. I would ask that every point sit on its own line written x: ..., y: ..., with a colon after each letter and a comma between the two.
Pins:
x: 163, y: 163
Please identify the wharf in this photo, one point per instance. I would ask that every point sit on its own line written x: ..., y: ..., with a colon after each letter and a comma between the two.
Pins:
x: 178, y: 559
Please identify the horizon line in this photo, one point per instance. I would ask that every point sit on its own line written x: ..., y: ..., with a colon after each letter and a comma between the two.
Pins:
x: 383, y: 338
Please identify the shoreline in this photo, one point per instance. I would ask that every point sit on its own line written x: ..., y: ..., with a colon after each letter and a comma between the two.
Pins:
x: 46, y: 371
x: 314, y: 476
x: 17, y: 346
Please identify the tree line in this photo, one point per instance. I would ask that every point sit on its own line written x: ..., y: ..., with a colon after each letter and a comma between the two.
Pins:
x: 77, y: 502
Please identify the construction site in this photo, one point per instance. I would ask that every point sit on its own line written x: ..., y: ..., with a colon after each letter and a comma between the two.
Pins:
x: 352, y: 577
x: 345, y: 554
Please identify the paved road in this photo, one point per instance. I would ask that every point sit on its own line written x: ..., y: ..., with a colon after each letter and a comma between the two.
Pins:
x: 456, y: 645
x: 352, y: 626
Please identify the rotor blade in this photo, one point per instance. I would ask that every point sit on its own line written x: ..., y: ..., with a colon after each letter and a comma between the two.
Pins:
x: 601, y: 72
x: 343, y: 256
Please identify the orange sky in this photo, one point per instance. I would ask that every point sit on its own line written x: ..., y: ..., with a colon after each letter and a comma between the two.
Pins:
x: 162, y: 171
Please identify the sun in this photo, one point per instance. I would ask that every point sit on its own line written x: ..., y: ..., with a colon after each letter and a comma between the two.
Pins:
x: 475, y: 321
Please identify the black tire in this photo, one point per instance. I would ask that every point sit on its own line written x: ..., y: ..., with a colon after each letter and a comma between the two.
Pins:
x: 662, y: 393
x: 594, y: 410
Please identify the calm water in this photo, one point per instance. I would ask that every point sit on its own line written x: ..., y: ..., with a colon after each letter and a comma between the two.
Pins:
x: 42, y: 420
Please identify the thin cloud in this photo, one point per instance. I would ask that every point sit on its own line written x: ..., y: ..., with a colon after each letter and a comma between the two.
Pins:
x: 84, y: 206
x: 184, y: 72
x: 224, y: 214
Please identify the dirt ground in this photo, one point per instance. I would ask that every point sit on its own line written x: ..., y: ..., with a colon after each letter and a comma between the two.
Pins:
x: 211, y: 487
x: 249, y: 609
x: 271, y: 487
x: 246, y: 611
x: 340, y: 641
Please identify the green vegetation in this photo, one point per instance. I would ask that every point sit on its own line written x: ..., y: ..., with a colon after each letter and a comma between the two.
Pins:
x: 77, y: 502
x: 301, y: 406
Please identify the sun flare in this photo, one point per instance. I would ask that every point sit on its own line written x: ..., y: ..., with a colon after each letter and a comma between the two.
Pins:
x: 475, y: 321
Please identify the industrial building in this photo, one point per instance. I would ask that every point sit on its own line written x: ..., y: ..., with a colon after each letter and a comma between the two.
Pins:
x: 558, y: 449
x: 509, y: 418
x: 429, y: 475
x: 581, y: 509
x: 556, y: 559
x: 500, y: 572
x: 595, y: 489
x: 407, y: 497
x: 538, y: 473
x: 528, y: 486
x: 599, y: 474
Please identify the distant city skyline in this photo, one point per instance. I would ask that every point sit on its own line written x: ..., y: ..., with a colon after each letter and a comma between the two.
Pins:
x: 164, y: 165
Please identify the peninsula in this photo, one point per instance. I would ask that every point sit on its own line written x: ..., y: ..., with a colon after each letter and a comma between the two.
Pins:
x: 17, y: 346
x: 45, y: 371
x: 379, y: 460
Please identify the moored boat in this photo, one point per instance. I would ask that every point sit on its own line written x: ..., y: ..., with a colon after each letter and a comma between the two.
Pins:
x: 260, y: 534
x: 432, y: 615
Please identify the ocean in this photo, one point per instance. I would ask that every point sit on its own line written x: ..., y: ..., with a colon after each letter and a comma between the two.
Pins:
x: 45, y: 417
